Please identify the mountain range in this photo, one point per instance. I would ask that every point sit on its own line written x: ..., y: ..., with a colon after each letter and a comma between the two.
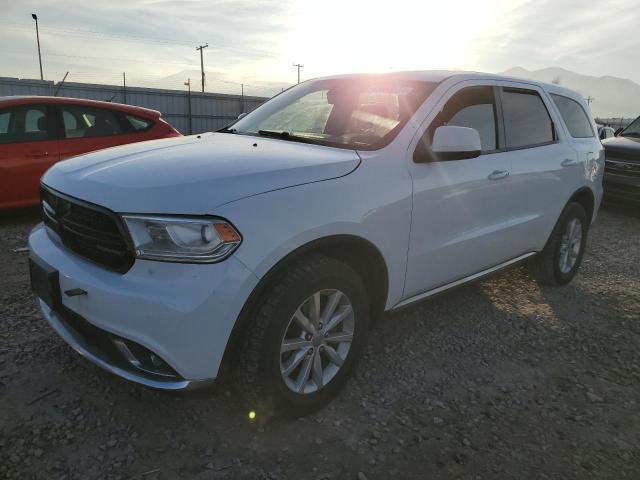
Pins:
x: 610, y: 96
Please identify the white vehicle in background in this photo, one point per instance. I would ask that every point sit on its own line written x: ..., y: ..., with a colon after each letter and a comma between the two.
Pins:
x: 271, y: 246
x: 605, y: 132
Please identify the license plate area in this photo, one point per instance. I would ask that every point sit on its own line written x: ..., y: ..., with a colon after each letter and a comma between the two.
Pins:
x: 45, y: 282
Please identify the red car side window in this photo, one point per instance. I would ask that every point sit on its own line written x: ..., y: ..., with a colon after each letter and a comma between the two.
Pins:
x: 24, y: 124
x: 85, y: 122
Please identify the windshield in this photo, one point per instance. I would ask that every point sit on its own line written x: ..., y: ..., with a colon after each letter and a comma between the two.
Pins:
x: 632, y: 130
x: 365, y: 113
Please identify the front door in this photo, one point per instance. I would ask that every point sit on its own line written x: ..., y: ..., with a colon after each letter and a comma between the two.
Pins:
x: 459, y: 206
x: 28, y: 147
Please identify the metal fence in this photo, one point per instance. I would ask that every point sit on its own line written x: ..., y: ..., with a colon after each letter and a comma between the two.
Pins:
x: 209, y: 111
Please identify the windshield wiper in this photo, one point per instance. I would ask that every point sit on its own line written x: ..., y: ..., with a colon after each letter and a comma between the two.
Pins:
x: 228, y: 130
x: 276, y: 134
x: 284, y: 135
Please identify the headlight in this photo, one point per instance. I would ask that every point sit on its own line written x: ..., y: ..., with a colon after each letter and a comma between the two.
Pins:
x: 178, y: 239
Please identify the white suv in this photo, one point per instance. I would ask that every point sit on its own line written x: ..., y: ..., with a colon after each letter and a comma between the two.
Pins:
x: 271, y: 246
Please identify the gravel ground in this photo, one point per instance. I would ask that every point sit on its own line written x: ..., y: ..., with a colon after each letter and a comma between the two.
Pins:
x: 500, y: 379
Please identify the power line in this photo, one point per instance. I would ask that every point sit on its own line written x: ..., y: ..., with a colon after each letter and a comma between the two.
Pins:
x: 139, y: 38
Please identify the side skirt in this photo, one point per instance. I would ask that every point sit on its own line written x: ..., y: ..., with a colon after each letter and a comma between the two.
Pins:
x: 462, y: 281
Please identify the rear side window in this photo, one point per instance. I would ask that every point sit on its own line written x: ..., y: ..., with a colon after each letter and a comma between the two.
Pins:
x: 139, y: 124
x: 24, y: 124
x: 574, y: 116
x: 83, y: 122
x: 527, y: 122
x: 472, y: 107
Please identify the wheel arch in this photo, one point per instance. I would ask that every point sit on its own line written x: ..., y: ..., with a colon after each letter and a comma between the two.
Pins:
x: 357, y: 252
x: 585, y: 197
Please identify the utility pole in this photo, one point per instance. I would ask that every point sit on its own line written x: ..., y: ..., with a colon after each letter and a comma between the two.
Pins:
x: 299, y: 65
x: 242, y: 98
x: 589, y: 100
x: 188, y: 84
x: 202, y: 47
x: 124, y: 84
x: 35, y: 17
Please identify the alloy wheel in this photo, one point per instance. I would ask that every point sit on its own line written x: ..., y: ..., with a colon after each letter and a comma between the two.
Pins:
x: 317, y: 341
x: 570, y: 244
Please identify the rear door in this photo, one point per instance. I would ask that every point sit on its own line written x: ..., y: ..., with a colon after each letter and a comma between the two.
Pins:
x: 28, y: 147
x: 542, y: 166
x: 87, y: 128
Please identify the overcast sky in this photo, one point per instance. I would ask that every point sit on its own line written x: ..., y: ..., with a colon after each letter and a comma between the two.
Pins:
x: 257, y: 41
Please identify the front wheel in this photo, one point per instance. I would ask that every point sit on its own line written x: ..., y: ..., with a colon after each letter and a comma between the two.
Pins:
x: 558, y: 263
x: 305, y: 338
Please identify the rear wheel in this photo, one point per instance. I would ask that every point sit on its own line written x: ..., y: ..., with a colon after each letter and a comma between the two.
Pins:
x: 558, y: 263
x: 305, y: 338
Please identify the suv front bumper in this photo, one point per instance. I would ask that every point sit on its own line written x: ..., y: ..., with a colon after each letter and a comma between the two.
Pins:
x: 181, y: 313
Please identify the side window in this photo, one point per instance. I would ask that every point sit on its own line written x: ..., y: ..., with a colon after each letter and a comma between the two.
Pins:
x: 83, y: 122
x: 473, y: 107
x: 526, y: 119
x: 24, y: 124
x: 138, y: 124
x: 574, y: 116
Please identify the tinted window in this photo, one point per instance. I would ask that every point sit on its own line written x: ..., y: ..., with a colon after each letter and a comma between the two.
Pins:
x: 526, y: 119
x: 24, y: 124
x: 472, y: 107
x: 139, y: 124
x: 82, y: 122
x: 574, y: 117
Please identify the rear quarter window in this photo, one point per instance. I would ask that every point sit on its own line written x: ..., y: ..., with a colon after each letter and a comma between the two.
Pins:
x: 574, y: 116
x: 139, y: 124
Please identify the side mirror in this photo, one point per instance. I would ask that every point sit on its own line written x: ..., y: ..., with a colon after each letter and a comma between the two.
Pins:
x: 618, y: 131
x: 450, y: 143
x: 242, y: 115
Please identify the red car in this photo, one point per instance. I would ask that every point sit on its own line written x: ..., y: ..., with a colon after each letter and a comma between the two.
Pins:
x: 36, y: 132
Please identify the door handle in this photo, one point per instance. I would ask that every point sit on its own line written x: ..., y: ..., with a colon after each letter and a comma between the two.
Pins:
x: 569, y: 162
x: 498, y: 174
x: 37, y: 154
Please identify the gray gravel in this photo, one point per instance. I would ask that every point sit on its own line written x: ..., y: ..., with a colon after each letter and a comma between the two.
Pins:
x: 501, y: 379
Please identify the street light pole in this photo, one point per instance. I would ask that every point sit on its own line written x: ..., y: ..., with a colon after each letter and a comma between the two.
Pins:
x: 202, y: 47
x: 35, y: 17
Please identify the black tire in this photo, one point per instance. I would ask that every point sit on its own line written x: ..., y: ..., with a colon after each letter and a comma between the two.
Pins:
x: 545, y: 268
x: 258, y: 372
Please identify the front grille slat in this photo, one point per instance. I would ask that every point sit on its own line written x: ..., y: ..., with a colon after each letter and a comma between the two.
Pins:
x: 88, y: 230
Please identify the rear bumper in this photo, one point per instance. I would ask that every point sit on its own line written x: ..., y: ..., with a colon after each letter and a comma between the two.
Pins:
x: 182, y: 313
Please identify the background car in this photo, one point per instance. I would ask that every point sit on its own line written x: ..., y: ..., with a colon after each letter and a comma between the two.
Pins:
x: 36, y: 132
x: 605, y: 132
x: 622, y: 166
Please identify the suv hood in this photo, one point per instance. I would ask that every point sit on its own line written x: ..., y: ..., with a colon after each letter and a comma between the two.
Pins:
x: 193, y: 175
x: 624, y: 147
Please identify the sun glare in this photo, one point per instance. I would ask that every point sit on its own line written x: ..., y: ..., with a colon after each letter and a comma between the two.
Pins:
x: 348, y: 36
